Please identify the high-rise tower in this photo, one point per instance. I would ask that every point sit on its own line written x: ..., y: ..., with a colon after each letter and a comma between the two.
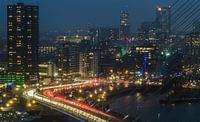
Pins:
x: 124, y: 26
x: 163, y: 19
x: 23, y: 36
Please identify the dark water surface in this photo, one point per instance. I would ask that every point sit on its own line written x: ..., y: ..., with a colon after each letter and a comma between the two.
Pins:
x: 148, y: 109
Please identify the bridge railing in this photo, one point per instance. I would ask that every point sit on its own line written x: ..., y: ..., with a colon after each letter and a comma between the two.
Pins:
x: 79, y: 112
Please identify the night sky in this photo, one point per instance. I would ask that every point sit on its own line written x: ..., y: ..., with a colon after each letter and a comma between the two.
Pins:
x: 66, y: 14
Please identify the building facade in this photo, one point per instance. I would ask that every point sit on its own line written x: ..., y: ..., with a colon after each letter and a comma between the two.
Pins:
x: 89, y: 64
x: 23, y: 36
x: 163, y: 19
x: 67, y: 57
x: 124, y: 26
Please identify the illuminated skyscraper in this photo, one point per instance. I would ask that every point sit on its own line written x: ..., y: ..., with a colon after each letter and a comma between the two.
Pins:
x: 163, y: 19
x: 22, y: 34
x: 124, y: 25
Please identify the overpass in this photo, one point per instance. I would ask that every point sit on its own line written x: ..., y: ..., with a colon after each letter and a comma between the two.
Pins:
x: 77, y: 110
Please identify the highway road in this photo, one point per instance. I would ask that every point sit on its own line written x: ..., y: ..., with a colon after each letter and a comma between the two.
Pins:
x: 73, y: 108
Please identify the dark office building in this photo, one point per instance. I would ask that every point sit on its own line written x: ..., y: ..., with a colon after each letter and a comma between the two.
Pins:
x: 196, y: 27
x: 22, y: 36
x: 103, y: 36
x: 67, y: 57
x: 193, y: 46
x: 113, y: 34
x: 1, y: 43
x: 163, y: 19
x: 124, y: 26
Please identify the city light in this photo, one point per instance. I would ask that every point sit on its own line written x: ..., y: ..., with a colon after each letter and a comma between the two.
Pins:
x: 4, y: 95
x: 7, y: 105
x: 91, y: 95
x: 115, y: 70
x: 33, y: 101
x: 11, y: 102
x: 159, y: 9
x: 29, y: 105
x: 80, y: 90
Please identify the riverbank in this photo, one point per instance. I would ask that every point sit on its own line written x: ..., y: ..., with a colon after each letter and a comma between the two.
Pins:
x: 181, y: 96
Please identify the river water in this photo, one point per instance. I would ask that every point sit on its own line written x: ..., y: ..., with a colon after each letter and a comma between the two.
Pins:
x: 148, y: 109
x: 145, y: 107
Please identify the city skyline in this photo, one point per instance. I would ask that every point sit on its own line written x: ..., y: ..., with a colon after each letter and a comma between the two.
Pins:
x: 66, y: 15
x: 135, y: 61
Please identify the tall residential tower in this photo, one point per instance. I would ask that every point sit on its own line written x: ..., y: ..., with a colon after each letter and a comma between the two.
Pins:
x: 23, y: 36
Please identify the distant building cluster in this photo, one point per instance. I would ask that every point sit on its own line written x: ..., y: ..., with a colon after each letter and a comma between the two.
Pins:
x: 32, y: 56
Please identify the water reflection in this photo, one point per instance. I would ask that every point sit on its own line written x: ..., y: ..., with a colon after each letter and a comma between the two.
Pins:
x: 147, y: 108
